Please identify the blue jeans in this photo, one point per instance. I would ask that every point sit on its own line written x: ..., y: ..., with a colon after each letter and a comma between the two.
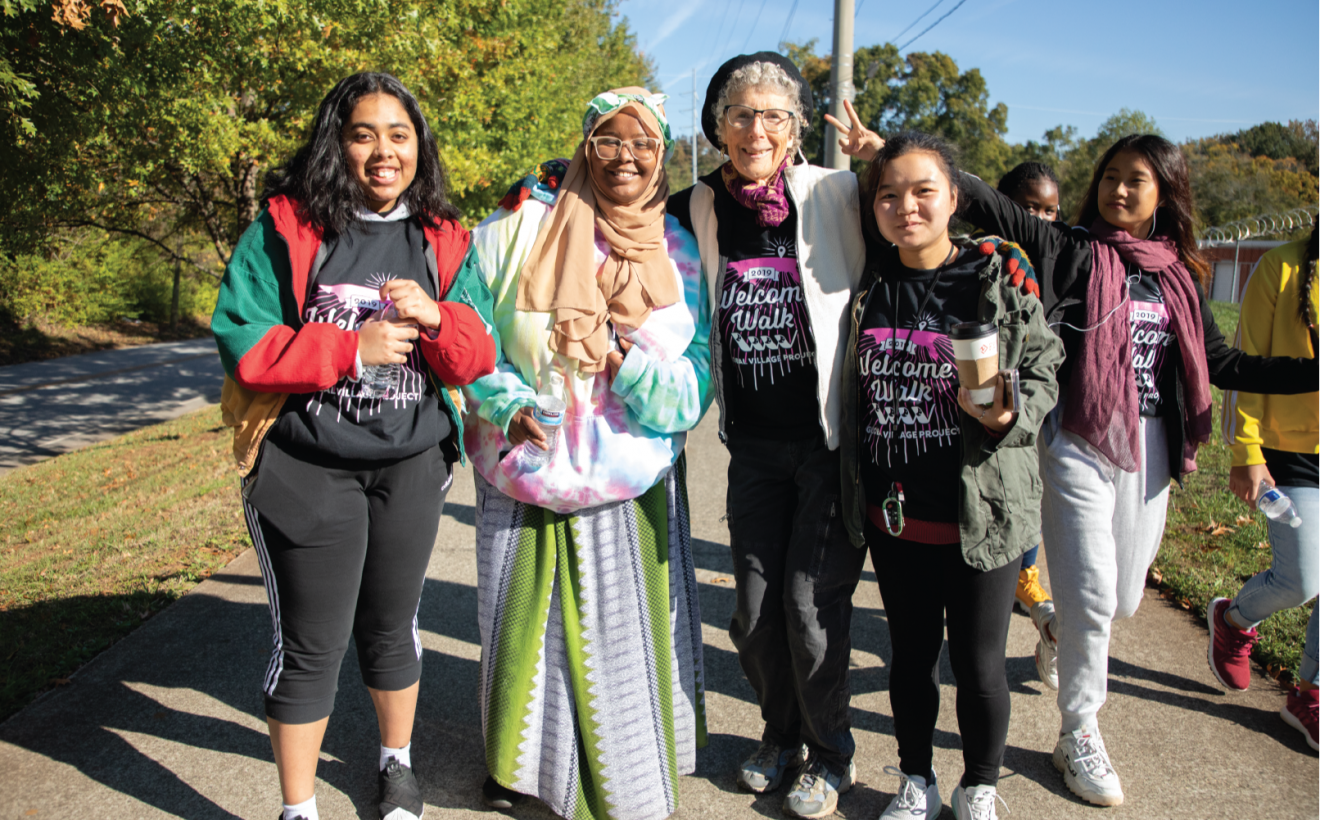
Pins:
x: 1292, y: 578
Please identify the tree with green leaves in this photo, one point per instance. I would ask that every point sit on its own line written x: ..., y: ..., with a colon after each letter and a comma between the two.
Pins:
x: 163, y: 126
x: 922, y: 92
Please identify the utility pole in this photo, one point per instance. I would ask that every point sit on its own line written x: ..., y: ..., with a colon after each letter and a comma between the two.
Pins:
x: 694, y: 126
x: 841, y: 84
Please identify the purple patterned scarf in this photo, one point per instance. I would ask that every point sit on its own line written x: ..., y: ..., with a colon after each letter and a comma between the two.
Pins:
x: 1102, y: 394
x: 769, y: 200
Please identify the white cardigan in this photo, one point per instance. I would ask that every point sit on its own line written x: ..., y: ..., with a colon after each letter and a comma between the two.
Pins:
x: 831, y: 254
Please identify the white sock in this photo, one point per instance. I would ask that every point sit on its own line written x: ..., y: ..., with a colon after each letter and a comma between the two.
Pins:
x: 305, y: 809
x: 404, y: 756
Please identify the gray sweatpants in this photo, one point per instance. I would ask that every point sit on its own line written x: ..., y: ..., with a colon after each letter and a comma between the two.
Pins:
x: 1102, y: 527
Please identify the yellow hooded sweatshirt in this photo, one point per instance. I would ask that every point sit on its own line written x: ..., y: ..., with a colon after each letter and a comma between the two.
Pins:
x: 1270, y: 326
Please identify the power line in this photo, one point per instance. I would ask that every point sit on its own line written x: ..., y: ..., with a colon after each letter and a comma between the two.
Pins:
x: 752, y: 30
x: 736, y: 16
x: 858, y: 8
x: 789, y: 22
x: 715, y: 40
x: 931, y: 26
x: 918, y: 20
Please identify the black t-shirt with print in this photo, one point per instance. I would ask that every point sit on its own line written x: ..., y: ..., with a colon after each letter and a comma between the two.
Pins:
x: 341, y: 421
x: 908, y: 382
x: 770, y: 380
x: 1153, y: 341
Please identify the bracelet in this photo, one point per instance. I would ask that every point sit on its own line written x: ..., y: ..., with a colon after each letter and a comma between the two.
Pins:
x: 983, y: 412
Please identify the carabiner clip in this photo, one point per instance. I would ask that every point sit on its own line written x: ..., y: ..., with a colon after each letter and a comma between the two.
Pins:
x: 893, y: 509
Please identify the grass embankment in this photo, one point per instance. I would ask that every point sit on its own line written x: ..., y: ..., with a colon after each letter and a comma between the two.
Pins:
x: 1213, y: 543
x: 37, y: 341
x: 93, y: 543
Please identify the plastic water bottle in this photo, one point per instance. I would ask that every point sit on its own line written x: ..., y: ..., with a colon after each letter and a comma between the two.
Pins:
x: 377, y: 380
x: 1276, y: 505
x: 549, y: 414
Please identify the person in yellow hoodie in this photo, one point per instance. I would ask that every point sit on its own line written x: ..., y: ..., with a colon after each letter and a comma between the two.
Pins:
x: 1275, y: 441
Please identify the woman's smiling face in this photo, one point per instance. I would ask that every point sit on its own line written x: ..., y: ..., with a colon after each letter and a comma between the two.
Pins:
x: 755, y: 152
x: 380, y: 145
x: 625, y: 178
x: 914, y: 203
x: 1129, y: 193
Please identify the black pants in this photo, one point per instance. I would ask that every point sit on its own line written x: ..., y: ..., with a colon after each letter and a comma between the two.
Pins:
x: 343, y: 551
x: 795, y: 571
x: 926, y: 587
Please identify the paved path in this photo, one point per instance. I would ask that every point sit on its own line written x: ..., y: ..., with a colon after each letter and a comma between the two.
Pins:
x: 168, y: 721
x: 52, y: 407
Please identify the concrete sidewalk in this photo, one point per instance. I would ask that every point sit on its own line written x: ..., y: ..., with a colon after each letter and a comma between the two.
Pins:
x: 55, y: 406
x: 168, y: 721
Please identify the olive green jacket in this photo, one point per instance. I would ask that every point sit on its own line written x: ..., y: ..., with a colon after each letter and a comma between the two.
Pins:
x: 999, y: 488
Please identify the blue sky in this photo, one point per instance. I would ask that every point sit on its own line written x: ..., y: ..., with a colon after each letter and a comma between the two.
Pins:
x: 1198, y: 68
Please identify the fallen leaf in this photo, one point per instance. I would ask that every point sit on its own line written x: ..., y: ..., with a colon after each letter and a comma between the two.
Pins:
x: 1156, y: 576
x: 60, y: 681
x: 1242, y: 520
x: 1263, y: 545
x: 1221, y: 530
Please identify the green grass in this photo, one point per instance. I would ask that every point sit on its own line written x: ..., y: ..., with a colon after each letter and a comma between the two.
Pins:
x: 1195, y: 565
x: 93, y: 543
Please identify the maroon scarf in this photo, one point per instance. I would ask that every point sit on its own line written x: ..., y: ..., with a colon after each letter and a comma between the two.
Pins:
x: 769, y: 200
x: 1102, y: 398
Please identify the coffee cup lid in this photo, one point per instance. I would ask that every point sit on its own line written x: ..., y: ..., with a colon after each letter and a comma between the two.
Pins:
x: 971, y: 330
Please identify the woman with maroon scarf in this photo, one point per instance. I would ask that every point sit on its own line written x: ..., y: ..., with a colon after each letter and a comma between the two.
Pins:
x: 1124, y: 290
x: 781, y: 244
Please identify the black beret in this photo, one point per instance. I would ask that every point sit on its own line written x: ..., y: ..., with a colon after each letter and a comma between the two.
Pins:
x: 708, y: 121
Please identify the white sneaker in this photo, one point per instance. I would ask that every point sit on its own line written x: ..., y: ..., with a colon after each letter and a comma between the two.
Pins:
x: 1082, y: 758
x: 976, y: 803
x: 916, y: 799
x: 1047, y: 649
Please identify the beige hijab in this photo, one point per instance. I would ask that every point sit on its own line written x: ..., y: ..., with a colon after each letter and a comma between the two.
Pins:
x: 560, y: 274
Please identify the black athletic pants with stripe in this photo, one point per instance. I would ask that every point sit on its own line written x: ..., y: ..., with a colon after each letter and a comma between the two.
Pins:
x: 343, y: 549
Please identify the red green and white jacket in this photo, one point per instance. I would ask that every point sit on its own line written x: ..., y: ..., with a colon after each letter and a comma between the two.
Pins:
x: 268, y: 352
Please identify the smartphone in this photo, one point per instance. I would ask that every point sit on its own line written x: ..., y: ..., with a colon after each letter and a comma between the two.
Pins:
x: 1012, y: 390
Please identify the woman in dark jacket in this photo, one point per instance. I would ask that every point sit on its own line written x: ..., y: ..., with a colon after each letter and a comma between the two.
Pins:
x: 1123, y: 289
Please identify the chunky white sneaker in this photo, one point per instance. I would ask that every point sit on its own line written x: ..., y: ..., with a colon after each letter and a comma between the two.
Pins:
x: 816, y: 791
x: 976, y: 803
x: 1082, y: 758
x: 1047, y: 649
x: 916, y: 799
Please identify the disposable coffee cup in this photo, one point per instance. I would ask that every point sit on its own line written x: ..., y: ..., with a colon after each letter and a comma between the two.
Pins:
x: 976, y: 351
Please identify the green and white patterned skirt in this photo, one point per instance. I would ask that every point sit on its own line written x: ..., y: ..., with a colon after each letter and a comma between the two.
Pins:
x: 591, y: 675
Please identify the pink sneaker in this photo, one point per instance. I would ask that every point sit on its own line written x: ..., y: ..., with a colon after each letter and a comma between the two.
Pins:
x: 1229, y: 651
x: 1299, y: 711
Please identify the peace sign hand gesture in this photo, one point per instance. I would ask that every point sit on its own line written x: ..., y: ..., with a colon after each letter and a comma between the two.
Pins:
x: 858, y: 140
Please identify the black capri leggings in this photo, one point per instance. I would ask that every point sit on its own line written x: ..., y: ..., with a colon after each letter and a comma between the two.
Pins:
x: 925, y: 586
x: 343, y: 550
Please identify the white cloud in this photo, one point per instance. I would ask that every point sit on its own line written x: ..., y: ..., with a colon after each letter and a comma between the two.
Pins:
x: 671, y: 24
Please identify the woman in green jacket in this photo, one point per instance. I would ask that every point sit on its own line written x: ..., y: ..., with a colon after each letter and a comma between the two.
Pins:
x: 910, y: 433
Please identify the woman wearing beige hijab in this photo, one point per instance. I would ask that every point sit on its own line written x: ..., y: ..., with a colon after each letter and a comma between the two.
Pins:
x: 591, y: 673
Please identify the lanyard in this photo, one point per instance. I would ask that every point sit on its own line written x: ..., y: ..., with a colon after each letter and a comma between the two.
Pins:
x: 930, y: 291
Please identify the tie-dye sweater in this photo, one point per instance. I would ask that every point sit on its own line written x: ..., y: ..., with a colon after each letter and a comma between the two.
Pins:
x: 617, y: 440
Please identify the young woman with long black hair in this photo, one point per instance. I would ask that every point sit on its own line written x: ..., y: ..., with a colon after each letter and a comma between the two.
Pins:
x: 910, y: 435
x: 1124, y: 290
x: 344, y: 314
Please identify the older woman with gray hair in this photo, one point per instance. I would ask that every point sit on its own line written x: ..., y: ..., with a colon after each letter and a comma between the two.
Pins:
x: 781, y: 244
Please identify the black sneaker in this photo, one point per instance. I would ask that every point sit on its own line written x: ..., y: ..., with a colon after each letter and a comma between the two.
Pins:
x: 281, y: 816
x: 400, y: 796
x: 498, y: 797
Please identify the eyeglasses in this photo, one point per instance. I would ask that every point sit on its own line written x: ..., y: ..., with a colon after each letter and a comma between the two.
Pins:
x: 642, y: 148
x: 774, y: 119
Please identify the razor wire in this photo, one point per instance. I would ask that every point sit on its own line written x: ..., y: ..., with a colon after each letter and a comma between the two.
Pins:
x: 1258, y: 226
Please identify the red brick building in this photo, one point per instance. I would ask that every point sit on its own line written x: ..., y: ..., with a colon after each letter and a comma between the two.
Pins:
x: 1221, y: 258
